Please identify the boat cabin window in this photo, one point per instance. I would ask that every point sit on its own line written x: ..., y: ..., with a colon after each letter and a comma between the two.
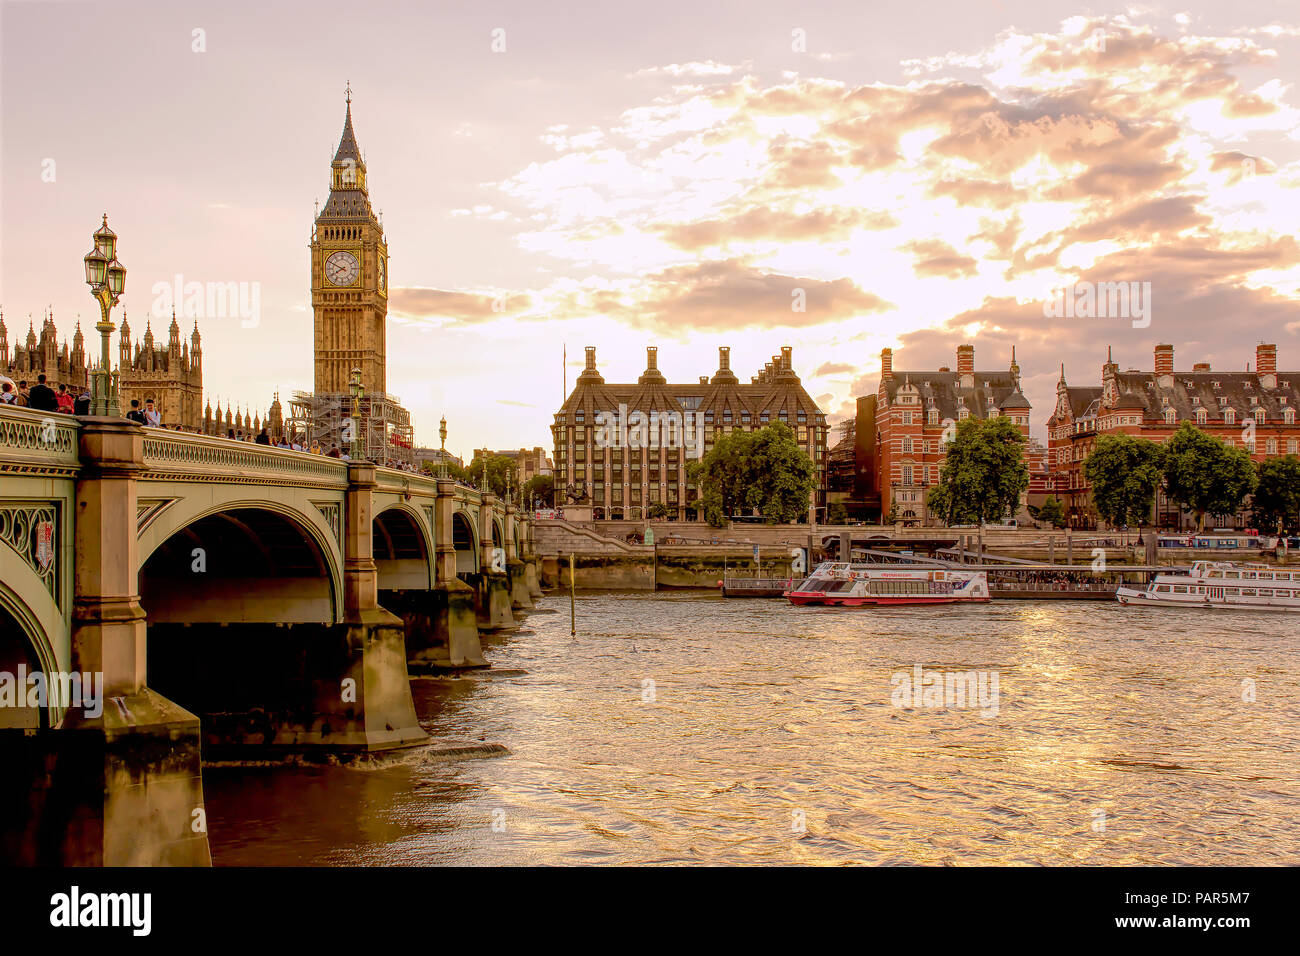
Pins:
x: 1248, y: 592
x: 1163, y: 588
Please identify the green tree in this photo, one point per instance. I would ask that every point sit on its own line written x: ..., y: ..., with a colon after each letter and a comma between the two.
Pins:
x: 764, y: 471
x: 498, y: 466
x: 657, y: 510
x: 1124, y: 472
x: 836, y: 513
x: 1204, y: 475
x: 984, y: 473
x: 1276, y: 504
x: 541, y: 487
x: 1052, y: 513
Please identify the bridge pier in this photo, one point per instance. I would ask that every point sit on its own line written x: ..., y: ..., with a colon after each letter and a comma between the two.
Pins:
x: 311, y: 681
x: 441, y: 624
x: 118, y: 783
x: 493, y: 584
x: 516, y: 572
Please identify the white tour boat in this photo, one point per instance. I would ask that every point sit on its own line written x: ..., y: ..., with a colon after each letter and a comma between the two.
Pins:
x: 841, y: 584
x: 1220, y: 584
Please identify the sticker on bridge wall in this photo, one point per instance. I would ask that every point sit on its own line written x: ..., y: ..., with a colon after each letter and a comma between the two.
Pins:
x: 499, y: 560
x: 798, y: 561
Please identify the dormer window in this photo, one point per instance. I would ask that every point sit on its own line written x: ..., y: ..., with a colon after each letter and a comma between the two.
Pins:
x: 1201, y: 416
x: 1229, y: 416
x: 1223, y: 402
x: 1171, y: 416
x: 1215, y: 384
x: 1288, y: 415
x: 932, y: 417
x: 1259, y: 416
x: 1254, y: 399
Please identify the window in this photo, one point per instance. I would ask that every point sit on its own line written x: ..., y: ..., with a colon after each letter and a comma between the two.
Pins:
x: 1171, y: 416
x: 932, y: 416
x: 907, y: 446
x: 1288, y: 415
x: 1229, y: 416
x: 1201, y: 416
x: 907, y: 474
x: 1259, y: 416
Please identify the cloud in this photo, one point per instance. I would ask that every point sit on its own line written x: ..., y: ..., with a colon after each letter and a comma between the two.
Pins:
x: 832, y: 368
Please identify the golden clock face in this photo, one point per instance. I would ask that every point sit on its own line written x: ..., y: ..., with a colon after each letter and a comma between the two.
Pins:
x: 383, y: 275
x: 342, y: 268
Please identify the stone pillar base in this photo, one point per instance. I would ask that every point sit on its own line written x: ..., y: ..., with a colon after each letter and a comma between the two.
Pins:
x: 516, y: 574
x: 531, y: 577
x: 492, y: 601
x: 296, y: 688
x: 441, y: 627
x: 119, y: 790
x: 549, y: 572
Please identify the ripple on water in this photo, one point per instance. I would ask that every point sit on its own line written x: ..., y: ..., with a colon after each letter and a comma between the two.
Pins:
x: 749, y: 731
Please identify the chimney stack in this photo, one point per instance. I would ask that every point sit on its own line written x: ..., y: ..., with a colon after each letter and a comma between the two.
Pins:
x: 1265, y: 358
x: 966, y: 359
x: 724, y: 374
x: 1266, y: 365
x: 651, y: 375
x: 1201, y: 367
x: 591, y: 358
x: 1164, y: 357
x: 886, y: 364
x: 787, y: 359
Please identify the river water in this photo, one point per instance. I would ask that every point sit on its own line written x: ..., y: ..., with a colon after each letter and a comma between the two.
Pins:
x: 680, y: 727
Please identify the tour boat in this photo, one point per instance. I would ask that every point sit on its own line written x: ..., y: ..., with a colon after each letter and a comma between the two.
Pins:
x: 1220, y: 584
x: 841, y: 584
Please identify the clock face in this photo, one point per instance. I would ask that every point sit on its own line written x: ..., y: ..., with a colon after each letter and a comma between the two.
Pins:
x: 383, y: 275
x: 342, y: 268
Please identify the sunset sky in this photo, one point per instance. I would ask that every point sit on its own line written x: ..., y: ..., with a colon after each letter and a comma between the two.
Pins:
x: 667, y: 174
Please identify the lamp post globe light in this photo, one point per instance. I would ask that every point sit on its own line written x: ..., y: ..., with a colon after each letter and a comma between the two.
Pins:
x: 107, y: 279
x: 442, y: 456
x: 354, y: 386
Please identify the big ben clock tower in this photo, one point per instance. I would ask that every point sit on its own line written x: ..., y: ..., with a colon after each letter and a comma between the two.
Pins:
x: 349, y: 277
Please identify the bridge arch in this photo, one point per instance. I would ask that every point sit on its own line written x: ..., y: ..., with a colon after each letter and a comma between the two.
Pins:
x: 498, y: 532
x: 242, y: 562
x: 23, y: 643
x: 465, y: 539
x: 402, y: 550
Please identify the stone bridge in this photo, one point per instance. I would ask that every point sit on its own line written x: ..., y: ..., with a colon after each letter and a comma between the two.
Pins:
x: 230, y: 598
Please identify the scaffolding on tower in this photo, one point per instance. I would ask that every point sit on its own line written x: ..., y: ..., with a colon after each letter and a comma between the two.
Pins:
x: 383, y: 426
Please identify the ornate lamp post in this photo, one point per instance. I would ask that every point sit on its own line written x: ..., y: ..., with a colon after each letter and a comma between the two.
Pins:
x: 442, y: 456
x: 354, y: 386
x: 106, y: 278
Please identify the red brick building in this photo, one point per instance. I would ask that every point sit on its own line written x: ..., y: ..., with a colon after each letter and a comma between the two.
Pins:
x: 1256, y: 410
x: 916, y: 412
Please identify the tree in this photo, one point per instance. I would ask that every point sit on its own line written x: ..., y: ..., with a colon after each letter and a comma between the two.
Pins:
x: 764, y: 471
x: 984, y: 473
x: 541, y: 487
x: 498, y: 466
x: 1276, y: 504
x: 657, y: 510
x: 1204, y: 475
x: 1052, y: 513
x: 1124, y: 472
x: 836, y: 513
